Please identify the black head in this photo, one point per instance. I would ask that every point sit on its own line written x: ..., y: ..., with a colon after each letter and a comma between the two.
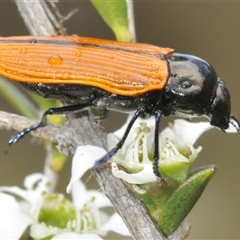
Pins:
x: 193, y: 89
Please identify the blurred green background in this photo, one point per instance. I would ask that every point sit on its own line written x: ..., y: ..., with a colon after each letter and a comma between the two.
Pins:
x: 209, y: 30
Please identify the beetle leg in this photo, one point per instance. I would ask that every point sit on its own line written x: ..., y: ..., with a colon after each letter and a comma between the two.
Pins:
x: 51, y: 111
x: 158, y: 115
x: 114, y: 150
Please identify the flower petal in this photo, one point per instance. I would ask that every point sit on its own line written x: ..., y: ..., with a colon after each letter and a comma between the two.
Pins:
x: 189, y: 132
x: 83, y: 160
x: 13, y: 220
x: 116, y: 224
x: 42, y: 230
x: 37, y: 181
x: 34, y: 198
x: 144, y: 176
x: 73, y: 235
x: 80, y: 195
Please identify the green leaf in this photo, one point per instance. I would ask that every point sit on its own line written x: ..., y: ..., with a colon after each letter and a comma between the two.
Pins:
x: 154, y: 195
x: 160, y: 192
x: 18, y: 99
x: 144, y: 196
x: 183, y: 199
x: 114, y: 13
x: 176, y: 170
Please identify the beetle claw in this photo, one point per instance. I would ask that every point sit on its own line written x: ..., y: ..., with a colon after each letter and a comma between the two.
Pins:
x: 161, y: 180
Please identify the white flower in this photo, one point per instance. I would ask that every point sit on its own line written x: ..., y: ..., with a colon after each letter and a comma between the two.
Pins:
x: 72, y: 235
x: 176, y: 144
x: 83, y: 159
x: 13, y: 219
x: 85, y: 220
x: 16, y: 216
x: 97, y: 200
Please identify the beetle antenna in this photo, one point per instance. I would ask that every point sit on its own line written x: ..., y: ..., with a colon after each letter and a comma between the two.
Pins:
x: 235, y: 123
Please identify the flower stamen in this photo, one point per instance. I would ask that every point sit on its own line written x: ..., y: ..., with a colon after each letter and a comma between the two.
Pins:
x: 169, y: 150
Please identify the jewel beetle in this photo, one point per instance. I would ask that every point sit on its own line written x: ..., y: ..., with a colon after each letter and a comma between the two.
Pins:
x: 125, y: 77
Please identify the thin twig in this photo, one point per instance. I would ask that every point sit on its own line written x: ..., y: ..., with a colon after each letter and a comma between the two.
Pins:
x: 131, y: 22
x: 35, y: 17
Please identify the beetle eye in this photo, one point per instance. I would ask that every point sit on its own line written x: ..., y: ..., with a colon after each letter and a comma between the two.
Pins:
x: 186, y: 84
